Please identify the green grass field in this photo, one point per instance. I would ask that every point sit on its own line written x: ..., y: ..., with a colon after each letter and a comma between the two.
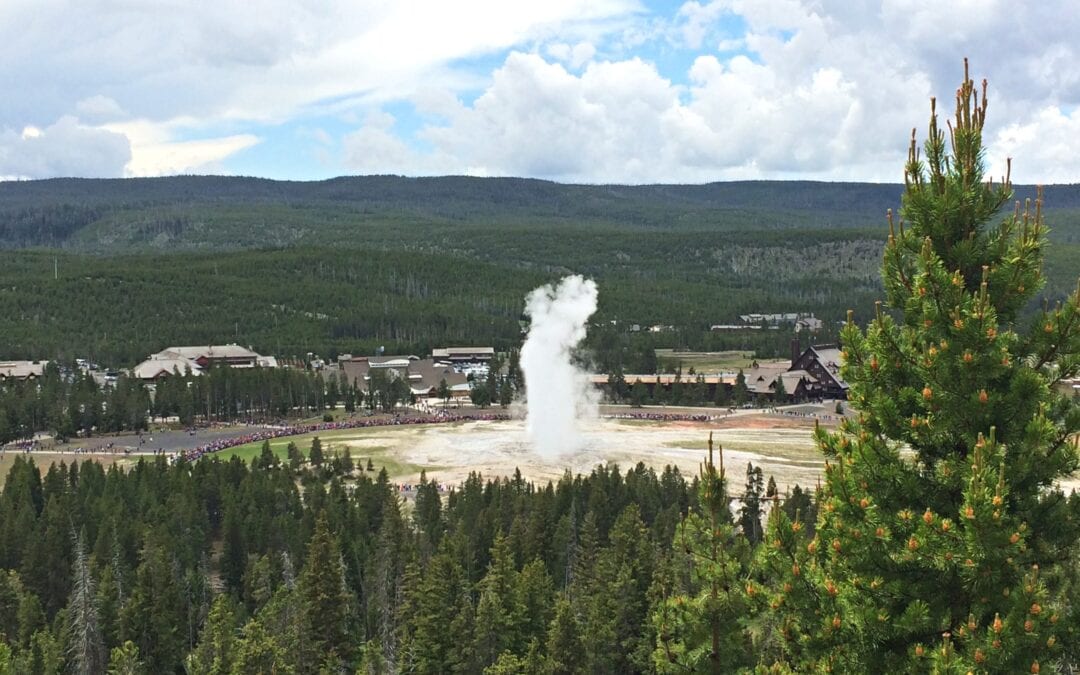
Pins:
x: 381, y: 454
x: 704, y: 362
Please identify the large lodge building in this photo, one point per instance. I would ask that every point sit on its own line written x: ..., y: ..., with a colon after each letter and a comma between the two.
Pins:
x: 812, y: 374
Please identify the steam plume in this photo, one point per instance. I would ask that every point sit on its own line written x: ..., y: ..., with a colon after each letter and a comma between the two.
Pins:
x: 558, y: 393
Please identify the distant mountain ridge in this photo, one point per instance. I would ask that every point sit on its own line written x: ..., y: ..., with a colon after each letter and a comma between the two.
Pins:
x: 519, y: 191
x: 125, y: 215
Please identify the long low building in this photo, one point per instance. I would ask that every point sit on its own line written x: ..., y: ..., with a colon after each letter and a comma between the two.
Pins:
x: 22, y: 370
x: 195, y: 360
x: 424, y: 376
x: 813, y: 373
x: 459, y: 355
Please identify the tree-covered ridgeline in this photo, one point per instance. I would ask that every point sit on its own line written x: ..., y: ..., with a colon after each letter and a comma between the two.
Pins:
x: 339, y: 267
x: 287, y: 303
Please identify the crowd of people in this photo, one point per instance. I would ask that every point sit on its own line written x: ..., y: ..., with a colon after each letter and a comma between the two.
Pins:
x: 273, y: 431
x: 281, y: 431
x: 441, y: 417
x: 661, y: 416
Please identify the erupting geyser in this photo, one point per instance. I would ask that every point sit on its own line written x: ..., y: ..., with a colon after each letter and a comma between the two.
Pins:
x: 558, y: 393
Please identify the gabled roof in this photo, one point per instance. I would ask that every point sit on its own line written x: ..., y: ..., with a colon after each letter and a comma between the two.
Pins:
x: 829, y: 357
x: 208, y: 351
x: 21, y: 370
x: 153, y: 368
x: 450, y: 352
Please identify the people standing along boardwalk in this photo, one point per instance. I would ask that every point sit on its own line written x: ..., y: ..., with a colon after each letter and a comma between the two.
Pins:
x: 439, y: 418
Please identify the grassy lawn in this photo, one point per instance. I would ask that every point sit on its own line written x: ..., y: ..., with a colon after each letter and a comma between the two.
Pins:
x: 334, y: 442
x: 705, y: 362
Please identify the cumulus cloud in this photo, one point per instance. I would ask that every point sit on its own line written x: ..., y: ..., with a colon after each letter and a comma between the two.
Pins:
x: 375, y: 148
x: 824, y: 91
x: 1047, y: 142
x: 64, y: 148
x: 224, y: 66
x: 588, y: 90
x: 99, y: 108
x: 574, y: 56
x: 623, y: 121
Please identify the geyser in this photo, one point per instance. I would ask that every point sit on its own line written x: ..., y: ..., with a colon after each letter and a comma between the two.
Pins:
x: 558, y: 393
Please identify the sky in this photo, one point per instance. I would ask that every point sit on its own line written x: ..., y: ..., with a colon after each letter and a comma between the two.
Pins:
x: 584, y: 91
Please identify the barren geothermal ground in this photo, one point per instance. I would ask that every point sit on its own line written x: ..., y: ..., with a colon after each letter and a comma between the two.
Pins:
x: 783, y: 448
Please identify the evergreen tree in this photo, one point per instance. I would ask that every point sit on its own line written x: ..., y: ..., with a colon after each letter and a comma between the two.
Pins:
x: 217, y: 642
x: 84, y: 643
x: 739, y: 392
x: 9, y: 606
x: 800, y: 508
x: 497, y: 613
x: 153, y: 617
x: 435, y: 607
x: 506, y: 393
x: 780, y: 393
x: 750, y: 511
x: 124, y: 660
x: 934, y: 559
x: 294, y: 456
x: 315, y: 455
x: 234, y: 547
x: 480, y: 395
x: 697, y: 619
x: 564, y: 648
x: 324, y: 596
x: 427, y: 512
x: 257, y: 651
x: 723, y: 396
x: 267, y: 458
x: 535, y: 594
x: 109, y: 604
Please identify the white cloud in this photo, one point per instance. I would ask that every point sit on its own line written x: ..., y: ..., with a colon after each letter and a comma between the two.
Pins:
x: 823, y: 89
x: 538, y: 119
x: 227, y: 59
x: 99, y: 108
x: 827, y: 91
x: 1050, y: 140
x: 64, y: 148
x: 227, y: 63
x: 374, y: 148
x: 697, y: 21
x: 623, y: 121
x: 156, y: 149
x: 574, y: 56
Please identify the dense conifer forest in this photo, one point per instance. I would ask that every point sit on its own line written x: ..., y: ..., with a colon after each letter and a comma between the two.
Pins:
x: 224, y: 568
x: 356, y: 263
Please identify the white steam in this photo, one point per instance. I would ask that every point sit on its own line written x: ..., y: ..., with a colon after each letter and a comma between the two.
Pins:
x: 558, y: 394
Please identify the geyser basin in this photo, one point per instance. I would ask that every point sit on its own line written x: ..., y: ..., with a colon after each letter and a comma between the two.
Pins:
x: 450, y: 452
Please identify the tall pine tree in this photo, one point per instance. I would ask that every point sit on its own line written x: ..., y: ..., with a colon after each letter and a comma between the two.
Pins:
x: 940, y: 514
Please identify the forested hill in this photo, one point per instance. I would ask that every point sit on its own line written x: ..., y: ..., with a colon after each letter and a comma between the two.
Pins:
x: 190, y: 212
x: 353, y: 264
